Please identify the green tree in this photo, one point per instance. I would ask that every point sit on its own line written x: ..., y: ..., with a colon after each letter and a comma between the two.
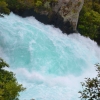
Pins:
x: 91, y: 87
x: 9, y: 87
x: 38, y: 5
x: 3, y: 8
x: 14, y: 4
x: 89, y: 19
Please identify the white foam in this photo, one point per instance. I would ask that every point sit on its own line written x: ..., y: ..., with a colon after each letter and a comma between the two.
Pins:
x: 49, y: 64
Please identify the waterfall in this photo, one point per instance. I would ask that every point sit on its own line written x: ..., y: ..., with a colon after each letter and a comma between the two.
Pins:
x: 47, y: 62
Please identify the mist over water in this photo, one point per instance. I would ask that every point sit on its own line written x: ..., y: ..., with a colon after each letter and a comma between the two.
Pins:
x: 49, y: 64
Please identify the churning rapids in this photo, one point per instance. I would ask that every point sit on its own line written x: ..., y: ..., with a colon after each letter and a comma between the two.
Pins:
x: 49, y: 64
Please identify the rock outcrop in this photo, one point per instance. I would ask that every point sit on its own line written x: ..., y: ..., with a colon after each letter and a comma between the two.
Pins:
x: 63, y: 14
x: 70, y: 10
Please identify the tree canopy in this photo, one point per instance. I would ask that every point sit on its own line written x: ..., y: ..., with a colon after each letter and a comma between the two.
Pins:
x: 28, y: 4
x: 89, y: 19
x: 3, y: 7
x: 9, y: 87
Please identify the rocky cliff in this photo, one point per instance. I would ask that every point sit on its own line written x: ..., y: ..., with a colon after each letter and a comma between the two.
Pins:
x: 69, y: 10
x: 62, y: 14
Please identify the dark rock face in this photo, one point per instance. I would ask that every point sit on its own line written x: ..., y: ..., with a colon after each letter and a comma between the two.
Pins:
x: 97, y: 40
x: 55, y: 19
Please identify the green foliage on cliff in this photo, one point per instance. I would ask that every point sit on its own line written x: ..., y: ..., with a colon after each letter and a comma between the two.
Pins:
x: 3, y: 7
x: 9, y: 87
x: 38, y: 5
x: 89, y: 20
x: 27, y: 4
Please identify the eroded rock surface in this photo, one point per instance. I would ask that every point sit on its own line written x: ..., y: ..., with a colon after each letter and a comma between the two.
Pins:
x: 69, y: 10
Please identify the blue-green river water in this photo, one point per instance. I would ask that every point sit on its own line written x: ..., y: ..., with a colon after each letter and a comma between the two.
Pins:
x: 47, y: 62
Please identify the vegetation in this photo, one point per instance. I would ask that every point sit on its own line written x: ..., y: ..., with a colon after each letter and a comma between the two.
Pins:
x: 89, y: 20
x: 3, y: 8
x: 27, y: 4
x: 91, y: 87
x: 9, y: 87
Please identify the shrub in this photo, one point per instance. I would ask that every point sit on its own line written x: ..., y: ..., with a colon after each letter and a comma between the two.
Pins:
x: 91, y: 87
x: 9, y: 87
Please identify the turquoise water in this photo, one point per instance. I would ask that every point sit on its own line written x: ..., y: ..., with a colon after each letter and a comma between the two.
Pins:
x: 49, y: 64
